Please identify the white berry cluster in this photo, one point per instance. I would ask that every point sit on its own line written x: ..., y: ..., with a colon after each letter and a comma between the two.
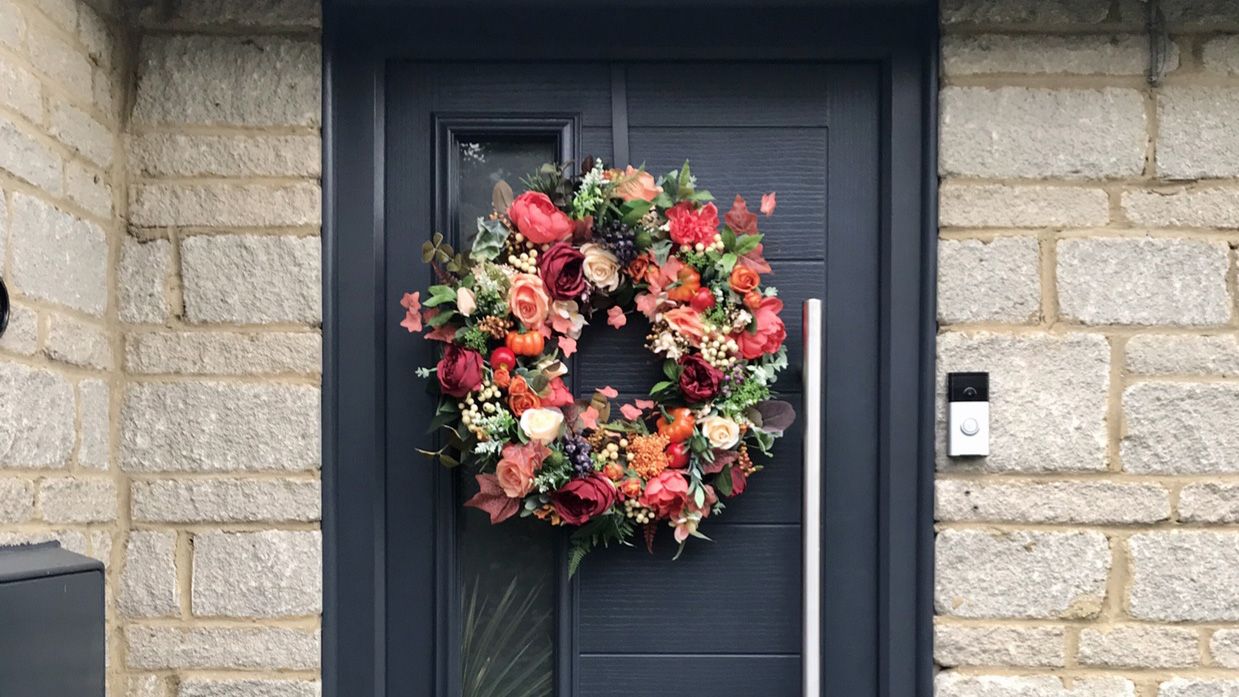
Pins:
x: 719, y: 351
x: 715, y: 246
x: 478, y: 406
x: 637, y: 512
x: 527, y: 260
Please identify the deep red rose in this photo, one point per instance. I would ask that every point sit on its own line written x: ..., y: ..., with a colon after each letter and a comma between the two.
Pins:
x: 698, y: 379
x: 460, y: 371
x: 562, y: 268
x: 582, y: 499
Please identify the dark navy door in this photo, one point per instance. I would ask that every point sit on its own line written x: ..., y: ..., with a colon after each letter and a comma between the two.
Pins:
x: 726, y: 618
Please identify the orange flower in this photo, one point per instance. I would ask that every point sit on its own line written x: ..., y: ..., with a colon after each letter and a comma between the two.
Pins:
x: 634, y: 184
x: 743, y: 279
x: 631, y: 487
x: 502, y: 378
x: 639, y: 268
x: 613, y: 471
x: 520, y: 397
x: 649, y: 456
x: 686, y: 322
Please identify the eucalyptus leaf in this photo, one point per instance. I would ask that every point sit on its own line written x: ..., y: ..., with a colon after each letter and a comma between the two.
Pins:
x: 501, y: 196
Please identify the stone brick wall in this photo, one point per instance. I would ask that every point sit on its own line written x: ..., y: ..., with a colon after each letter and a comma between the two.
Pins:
x: 159, y: 401
x: 220, y: 571
x: 1089, y: 226
x: 159, y: 214
x: 61, y: 183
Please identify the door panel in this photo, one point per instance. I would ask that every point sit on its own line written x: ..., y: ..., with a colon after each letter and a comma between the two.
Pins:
x: 726, y: 617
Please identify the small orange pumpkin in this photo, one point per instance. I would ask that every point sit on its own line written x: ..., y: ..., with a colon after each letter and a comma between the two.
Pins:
x: 690, y: 282
x: 680, y: 428
x: 525, y: 343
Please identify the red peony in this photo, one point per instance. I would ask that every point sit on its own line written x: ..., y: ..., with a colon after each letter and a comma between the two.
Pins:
x: 666, y: 493
x: 699, y: 380
x: 538, y: 219
x: 459, y: 371
x: 562, y: 268
x: 582, y: 499
x: 769, y: 334
x: 689, y: 226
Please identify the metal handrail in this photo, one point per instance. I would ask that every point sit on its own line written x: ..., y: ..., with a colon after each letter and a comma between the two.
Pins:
x: 811, y: 654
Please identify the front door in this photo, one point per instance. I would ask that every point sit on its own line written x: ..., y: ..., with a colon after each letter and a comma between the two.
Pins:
x: 472, y: 610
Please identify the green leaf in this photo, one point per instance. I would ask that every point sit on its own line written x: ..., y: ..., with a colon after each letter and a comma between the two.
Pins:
x: 748, y: 243
x: 440, y: 294
x: 441, y: 319
x: 684, y: 183
x: 488, y: 242
x: 632, y: 211
x: 501, y: 196
x: 729, y: 239
x: 727, y: 262
x: 448, y: 460
x: 722, y: 483
x: 671, y: 369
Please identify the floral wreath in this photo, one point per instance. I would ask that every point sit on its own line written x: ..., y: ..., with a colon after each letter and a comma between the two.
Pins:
x: 570, y: 249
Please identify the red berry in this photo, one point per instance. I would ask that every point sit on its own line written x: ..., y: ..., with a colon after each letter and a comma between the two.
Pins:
x: 677, y: 454
x: 502, y: 356
x: 703, y: 300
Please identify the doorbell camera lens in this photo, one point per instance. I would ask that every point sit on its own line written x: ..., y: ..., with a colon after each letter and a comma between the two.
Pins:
x: 968, y: 387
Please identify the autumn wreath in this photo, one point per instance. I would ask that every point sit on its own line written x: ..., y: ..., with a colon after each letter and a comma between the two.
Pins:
x: 571, y: 249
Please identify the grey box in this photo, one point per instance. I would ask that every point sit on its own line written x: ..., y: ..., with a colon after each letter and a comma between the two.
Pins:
x: 51, y: 623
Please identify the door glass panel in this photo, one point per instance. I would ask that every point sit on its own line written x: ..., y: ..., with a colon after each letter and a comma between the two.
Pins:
x: 507, y: 572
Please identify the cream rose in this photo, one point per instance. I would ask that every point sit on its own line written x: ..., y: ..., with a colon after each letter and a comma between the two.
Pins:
x: 543, y: 424
x: 721, y: 431
x: 465, y: 302
x: 602, y: 268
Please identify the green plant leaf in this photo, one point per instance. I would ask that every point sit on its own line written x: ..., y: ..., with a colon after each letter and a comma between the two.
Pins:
x: 632, y: 211
x: 489, y: 240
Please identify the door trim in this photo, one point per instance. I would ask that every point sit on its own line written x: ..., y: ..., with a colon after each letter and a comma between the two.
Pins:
x: 357, y: 46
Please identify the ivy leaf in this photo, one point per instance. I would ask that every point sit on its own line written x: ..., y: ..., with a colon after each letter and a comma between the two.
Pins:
x: 488, y: 243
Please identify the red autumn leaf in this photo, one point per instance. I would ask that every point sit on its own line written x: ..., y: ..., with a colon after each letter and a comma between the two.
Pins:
x: 722, y: 458
x: 740, y: 219
x: 492, y: 500
x: 768, y: 203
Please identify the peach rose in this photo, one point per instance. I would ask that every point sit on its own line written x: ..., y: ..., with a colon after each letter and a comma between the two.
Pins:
x: 528, y: 300
x: 634, y: 184
x: 743, y: 279
x: 538, y: 219
x: 686, y: 322
x: 519, y: 464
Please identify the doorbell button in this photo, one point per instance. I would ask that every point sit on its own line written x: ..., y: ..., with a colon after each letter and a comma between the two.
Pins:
x: 967, y: 414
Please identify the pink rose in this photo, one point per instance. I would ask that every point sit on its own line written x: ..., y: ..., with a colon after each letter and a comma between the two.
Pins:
x: 686, y: 322
x: 538, y: 219
x: 689, y: 226
x: 519, y: 464
x: 557, y: 394
x: 769, y: 334
x: 528, y: 300
x: 666, y: 493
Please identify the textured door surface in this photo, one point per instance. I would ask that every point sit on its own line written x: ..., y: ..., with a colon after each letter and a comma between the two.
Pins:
x: 726, y: 618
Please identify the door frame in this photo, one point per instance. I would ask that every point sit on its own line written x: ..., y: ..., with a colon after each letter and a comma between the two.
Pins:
x: 361, y: 36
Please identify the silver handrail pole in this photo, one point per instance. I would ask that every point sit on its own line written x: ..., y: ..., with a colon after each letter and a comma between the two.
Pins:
x: 811, y: 654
